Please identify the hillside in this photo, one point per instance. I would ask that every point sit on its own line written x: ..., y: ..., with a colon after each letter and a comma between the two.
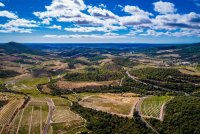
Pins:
x: 187, y: 52
x: 17, y: 48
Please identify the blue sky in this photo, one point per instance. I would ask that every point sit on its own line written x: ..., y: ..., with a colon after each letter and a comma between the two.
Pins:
x: 114, y: 21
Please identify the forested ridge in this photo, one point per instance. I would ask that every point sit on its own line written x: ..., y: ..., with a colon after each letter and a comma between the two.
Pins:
x: 182, y: 116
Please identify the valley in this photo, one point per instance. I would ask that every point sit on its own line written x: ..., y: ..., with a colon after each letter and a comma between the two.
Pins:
x: 72, y: 90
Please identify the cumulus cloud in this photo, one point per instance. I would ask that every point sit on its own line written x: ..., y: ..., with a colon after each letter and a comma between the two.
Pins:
x: 18, y: 25
x: 174, y: 21
x: 102, y: 13
x: 135, y: 20
x: 138, y: 17
x: 164, y: 7
x: 8, y: 14
x: 82, y: 18
x: 135, y: 10
x: 1, y: 4
x: 21, y: 23
x: 55, y: 27
x: 62, y: 8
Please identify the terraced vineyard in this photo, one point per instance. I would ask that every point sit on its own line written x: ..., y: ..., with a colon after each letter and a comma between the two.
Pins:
x: 64, y: 119
x: 152, y: 106
x: 8, y: 111
x: 31, y: 119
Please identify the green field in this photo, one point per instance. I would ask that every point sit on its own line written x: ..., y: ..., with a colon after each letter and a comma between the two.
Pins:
x: 152, y: 105
x: 29, y: 85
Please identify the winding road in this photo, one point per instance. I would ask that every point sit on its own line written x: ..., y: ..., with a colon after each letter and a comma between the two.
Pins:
x: 155, y: 86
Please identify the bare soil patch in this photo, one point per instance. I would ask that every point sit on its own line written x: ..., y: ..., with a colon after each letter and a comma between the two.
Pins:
x: 69, y: 84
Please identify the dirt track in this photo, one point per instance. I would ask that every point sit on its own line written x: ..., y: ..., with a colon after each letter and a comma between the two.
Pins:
x: 138, y: 109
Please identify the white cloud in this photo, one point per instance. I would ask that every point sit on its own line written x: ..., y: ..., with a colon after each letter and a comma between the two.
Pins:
x: 8, y: 14
x: 87, y: 29
x: 55, y: 27
x: 85, y: 19
x: 164, y: 7
x: 107, y: 28
x: 155, y: 33
x: 177, y: 21
x: 46, y: 21
x: 101, y: 13
x: 15, y: 29
x: 135, y: 20
x: 102, y: 6
x: 1, y: 4
x: 136, y: 11
x: 138, y: 17
x: 21, y: 23
x: 62, y: 9
x: 18, y: 25
x: 82, y: 36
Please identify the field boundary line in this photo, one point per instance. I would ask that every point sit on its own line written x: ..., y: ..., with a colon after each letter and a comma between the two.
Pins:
x: 40, y: 120
x: 11, y: 126
x: 19, y: 124
x: 30, y: 124
x: 2, y: 129
x: 162, y: 111
x: 138, y: 109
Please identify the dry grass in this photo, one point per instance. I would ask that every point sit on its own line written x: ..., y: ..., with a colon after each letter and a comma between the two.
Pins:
x: 68, y: 84
x: 169, y: 55
x: 111, y: 103
x: 190, y: 71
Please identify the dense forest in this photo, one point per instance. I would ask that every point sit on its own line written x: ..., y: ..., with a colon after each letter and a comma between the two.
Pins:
x: 94, y: 74
x: 182, y: 116
x: 125, y: 62
x: 8, y: 73
x: 103, y: 123
x: 168, y: 78
x: 188, y: 52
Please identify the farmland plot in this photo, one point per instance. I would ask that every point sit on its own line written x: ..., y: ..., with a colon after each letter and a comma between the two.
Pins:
x: 64, y: 120
x: 111, y: 103
x: 152, y: 106
x: 8, y: 110
x: 33, y: 118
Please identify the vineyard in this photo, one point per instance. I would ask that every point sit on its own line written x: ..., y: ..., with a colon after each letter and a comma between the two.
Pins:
x: 31, y: 119
x: 64, y: 118
x: 153, y: 105
x: 28, y: 86
x: 8, y: 111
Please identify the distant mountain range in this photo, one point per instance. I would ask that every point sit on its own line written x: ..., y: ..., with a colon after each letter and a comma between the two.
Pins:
x: 189, y: 52
x: 17, y: 48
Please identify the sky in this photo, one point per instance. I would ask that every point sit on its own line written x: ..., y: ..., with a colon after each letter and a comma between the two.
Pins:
x: 100, y: 21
